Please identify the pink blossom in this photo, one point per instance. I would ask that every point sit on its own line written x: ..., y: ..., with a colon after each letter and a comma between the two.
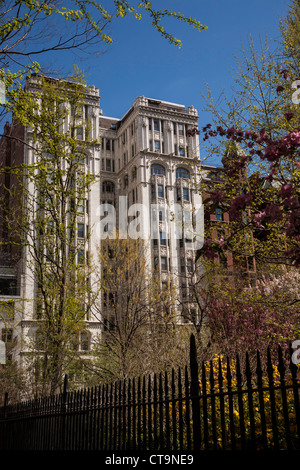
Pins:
x: 221, y: 241
x: 273, y: 212
x: 217, y: 197
x: 293, y: 139
x: 269, y: 177
x: 291, y: 203
x: 239, y: 203
x: 271, y: 153
x: 286, y: 190
x: 285, y: 74
x: 221, y: 130
x: 209, y: 249
x: 258, y: 219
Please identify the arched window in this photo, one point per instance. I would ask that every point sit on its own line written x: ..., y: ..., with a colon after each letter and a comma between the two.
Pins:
x: 157, y: 169
x: 182, y: 173
x: 108, y: 187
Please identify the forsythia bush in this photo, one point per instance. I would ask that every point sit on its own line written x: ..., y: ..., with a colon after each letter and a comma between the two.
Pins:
x: 217, y: 421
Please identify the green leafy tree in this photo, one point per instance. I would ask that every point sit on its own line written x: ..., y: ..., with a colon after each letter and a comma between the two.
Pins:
x: 255, y: 137
x: 137, y: 313
x: 43, y: 227
x: 52, y: 186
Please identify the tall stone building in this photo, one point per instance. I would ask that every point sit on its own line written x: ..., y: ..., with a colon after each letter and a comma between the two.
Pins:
x: 147, y: 158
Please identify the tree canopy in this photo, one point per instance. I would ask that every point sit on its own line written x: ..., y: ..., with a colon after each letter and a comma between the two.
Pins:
x: 258, y: 138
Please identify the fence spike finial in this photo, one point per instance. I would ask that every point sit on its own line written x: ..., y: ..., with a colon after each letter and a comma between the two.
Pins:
x: 66, y: 384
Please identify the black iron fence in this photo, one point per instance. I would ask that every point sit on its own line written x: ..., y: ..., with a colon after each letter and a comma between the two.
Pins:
x: 222, y: 405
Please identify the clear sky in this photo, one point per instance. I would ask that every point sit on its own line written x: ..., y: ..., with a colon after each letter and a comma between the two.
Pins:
x: 141, y: 62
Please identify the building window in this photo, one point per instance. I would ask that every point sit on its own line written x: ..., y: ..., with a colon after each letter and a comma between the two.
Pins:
x: 189, y: 265
x: 182, y: 173
x: 81, y: 208
x: 181, y: 152
x: 160, y: 190
x: 80, y: 257
x: 163, y: 239
x: 80, y: 230
x: 81, y: 342
x: 108, y: 164
x: 156, y: 124
x: 108, y: 187
x: 108, y: 324
x: 39, y: 340
x: 150, y: 124
x: 84, y: 341
x: 182, y: 266
x: 157, y: 145
x: 181, y: 129
x: 164, y: 263
x: 153, y: 191
x: 7, y: 335
x: 250, y: 263
x: 175, y: 149
x: 150, y: 145
x: 133, y: 173
x: 219, y: 214
x: 174, y: 128
x: 186, y: 194
x: 223, y: 260
x: 107, y: 144
x: 79, y: 133
x: 178, y: 193
x: 157, y: 169
x: 8, y: 287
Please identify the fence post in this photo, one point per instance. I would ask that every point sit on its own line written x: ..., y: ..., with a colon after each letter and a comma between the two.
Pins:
x: 63, y: 412
x: 295, y: 382
x: 3, y: 424
x: 195, y: 395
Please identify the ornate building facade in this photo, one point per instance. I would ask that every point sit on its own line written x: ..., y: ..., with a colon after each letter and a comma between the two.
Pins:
x: 147, y: 158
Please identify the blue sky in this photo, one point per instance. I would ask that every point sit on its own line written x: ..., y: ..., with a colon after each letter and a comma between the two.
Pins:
x: 141, y: 62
